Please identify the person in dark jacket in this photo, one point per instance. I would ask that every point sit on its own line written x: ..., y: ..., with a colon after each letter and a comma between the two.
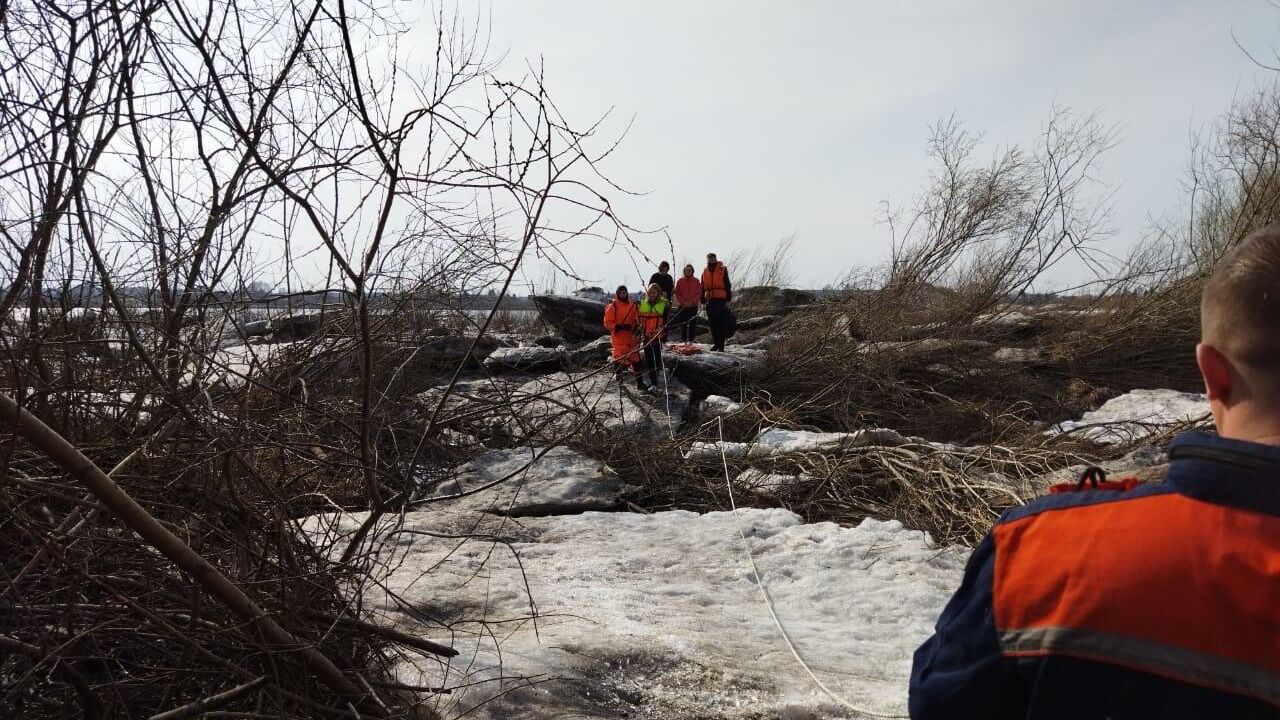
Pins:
x: 1161, y: 601
x: 717, y: 293
x: 663, y: 280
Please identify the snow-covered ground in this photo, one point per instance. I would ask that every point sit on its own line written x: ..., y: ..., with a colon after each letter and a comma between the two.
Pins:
x: 565, y: 402
x: 528, y: 481
x: 1136, y: 415
x: 775, y: 442
x: 660, y: 616
x: 719, y: 405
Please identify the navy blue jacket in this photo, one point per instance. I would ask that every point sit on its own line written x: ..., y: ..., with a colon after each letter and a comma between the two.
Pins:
x: 1158, y: 602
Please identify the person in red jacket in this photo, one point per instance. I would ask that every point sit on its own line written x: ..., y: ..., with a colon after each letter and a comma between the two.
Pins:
x: 622, y: 320
x: 688, y: 300
x: 1161, y: 601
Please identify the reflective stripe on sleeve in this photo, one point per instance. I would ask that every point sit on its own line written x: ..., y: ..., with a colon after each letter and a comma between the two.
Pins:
x: 1145, y: 655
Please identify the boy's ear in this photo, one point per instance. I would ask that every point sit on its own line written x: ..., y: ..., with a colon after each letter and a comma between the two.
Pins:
x: 1215, y: 368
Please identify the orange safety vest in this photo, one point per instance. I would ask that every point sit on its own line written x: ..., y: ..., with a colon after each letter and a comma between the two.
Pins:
x: 652, y: 316
x: 714, y: 282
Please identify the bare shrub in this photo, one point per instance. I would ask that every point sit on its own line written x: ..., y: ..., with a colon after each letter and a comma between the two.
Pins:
x: 986, y: 232
x: 187, y: 171
x: 763, y: 265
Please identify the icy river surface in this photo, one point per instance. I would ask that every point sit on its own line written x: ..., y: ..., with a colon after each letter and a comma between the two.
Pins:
x: 561, y: 610
x: 660, y: 615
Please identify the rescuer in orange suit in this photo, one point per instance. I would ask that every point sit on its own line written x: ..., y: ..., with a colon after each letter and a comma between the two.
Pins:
x: 1137, y: 601
x: 622, y: 320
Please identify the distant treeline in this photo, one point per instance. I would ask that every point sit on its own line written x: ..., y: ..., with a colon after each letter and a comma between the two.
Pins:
x: 92, y: 296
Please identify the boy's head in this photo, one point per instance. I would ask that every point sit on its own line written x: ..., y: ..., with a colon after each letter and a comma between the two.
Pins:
x: 1239, y: 351
x: 664, y: 267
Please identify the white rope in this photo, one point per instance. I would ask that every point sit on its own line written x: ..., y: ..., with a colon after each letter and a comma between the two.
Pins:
x: 768, y: 601
x: 666, y: 392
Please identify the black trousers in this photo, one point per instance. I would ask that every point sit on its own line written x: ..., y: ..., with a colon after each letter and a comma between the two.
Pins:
x: 685, y: 322
x: 653, y: 360
x: 718, y: 319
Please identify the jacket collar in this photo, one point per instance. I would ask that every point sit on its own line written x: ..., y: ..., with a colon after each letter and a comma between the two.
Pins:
x: 1234, y: 473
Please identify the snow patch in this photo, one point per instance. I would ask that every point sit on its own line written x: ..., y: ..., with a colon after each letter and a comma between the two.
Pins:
x: 561, y: 403
x: 1008, y: 319
x: 659, y: 616
x: 234, y: 365
x: 775, y: 442
x: 1136, y: 415
x: 531, y: 481
x: 767, y: 483
x: 1020, y: 355
x: 719, y: 406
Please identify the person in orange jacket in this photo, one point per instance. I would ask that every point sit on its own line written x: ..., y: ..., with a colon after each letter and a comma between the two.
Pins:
x: 1140, y: 601
x: 622, y: 320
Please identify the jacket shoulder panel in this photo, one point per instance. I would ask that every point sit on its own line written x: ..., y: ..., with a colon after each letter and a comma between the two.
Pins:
x: 1066, y: 501
x: 1149, y: 579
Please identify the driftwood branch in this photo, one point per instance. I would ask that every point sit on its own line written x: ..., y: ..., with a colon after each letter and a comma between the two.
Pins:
x: 405, y: 638
x: 213, y: 702
x: 74, y: 463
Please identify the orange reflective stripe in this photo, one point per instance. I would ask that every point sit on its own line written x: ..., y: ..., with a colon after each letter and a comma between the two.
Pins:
x: 1122, y: 580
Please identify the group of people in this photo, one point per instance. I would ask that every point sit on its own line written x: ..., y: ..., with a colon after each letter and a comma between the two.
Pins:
x: 1117, y: 600
x: 638, y: 329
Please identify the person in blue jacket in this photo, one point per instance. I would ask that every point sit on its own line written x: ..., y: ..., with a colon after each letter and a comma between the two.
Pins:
x: 1154, y: 601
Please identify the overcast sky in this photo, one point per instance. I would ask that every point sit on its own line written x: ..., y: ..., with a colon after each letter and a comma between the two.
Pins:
x: 758, y: 120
